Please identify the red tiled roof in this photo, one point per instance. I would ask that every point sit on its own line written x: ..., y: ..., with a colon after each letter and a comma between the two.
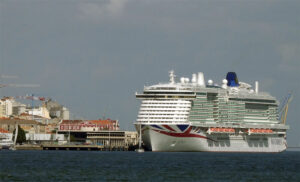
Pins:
x: 102, y: 122
x: 97, y: 122
x: 3, y: 131
x: 71, y: 121
x: 18, y: 121
x: 13, y: 118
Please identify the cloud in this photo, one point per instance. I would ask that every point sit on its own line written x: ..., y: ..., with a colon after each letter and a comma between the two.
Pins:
x: 100, y: 11
x: 103, y: 71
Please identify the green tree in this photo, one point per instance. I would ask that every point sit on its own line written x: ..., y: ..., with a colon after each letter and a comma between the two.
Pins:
x: 21, y: 138
x: 53, y: 131
x: 73, y: 138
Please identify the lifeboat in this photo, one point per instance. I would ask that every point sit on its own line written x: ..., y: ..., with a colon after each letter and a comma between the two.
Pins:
x: 221, y: 130
x: 258, y: 131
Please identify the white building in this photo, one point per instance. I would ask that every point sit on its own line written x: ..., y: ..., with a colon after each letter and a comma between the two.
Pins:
x: 60, y: 112
x: 39, y: 111
x: 6, y: 108
x: 44, y: 137
x: 18, y: 108
x: 65, y: 113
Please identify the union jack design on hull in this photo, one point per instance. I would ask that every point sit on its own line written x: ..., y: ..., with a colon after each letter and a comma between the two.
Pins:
x: 180, y: 131
x: 193, y: 138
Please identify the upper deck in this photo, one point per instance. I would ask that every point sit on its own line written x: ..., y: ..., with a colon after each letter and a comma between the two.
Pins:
x: 232, y: 102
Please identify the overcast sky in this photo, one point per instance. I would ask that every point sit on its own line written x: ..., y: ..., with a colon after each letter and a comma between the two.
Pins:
x: 92, y: 56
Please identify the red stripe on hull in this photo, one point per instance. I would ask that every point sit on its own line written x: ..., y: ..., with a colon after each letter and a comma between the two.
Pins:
x: 185, y: 134
x: 168, y: 127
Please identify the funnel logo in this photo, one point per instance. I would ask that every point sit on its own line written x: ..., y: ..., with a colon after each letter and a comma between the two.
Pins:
x: 232, y: 80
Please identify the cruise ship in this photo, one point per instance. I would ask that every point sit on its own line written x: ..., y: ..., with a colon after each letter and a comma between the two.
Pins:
x: 198, y: 115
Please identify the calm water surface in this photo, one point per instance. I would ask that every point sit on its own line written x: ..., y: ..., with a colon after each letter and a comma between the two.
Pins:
x: 131, y: 166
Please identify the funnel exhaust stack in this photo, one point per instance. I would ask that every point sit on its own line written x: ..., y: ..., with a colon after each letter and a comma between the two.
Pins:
x: 256, y: 87
x: 201, y: 81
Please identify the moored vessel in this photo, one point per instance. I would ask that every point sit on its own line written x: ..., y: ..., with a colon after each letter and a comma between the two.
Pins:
x: 6, y: 141
x: 202, y: 116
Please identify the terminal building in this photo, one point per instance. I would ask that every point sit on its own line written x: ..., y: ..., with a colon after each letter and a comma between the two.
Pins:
x: 88, y: 125
x: 113, y: 139
x: 105, y: 133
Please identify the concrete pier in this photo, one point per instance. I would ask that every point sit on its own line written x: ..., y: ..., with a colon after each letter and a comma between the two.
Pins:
x: 83, y: 147
x: 28, y: 147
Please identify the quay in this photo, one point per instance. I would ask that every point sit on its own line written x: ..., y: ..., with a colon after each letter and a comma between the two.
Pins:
x: 74, y: 147
x: 28, y: 147
x: 83, y: 147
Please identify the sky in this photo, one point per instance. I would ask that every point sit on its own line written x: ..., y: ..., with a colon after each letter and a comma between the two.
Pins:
x: 93, y: 55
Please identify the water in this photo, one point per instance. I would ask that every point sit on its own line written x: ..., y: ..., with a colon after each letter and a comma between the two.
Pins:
x: 148, y: 166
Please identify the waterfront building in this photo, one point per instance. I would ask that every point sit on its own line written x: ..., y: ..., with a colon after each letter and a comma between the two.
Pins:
x: 6, y: 135
x: 5, y: 138
x: 98, y: 132
x: 89, y: 125
x: 44, y: 137
x: 29, y: 126
x: 113, y: 139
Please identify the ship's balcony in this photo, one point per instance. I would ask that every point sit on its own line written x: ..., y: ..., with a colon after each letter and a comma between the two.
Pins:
x: 166, y: 96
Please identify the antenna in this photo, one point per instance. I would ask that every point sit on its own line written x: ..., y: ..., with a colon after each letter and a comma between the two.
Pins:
x: 172, y: 76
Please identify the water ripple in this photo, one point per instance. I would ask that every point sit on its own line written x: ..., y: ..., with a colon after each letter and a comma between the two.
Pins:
x: 148, y: 166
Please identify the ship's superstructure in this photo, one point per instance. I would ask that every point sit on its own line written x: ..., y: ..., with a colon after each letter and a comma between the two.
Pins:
x: 195, y: 116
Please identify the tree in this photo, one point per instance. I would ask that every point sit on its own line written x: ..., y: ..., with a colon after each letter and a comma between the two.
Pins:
x: 53, y: 131
x: 21, y: 135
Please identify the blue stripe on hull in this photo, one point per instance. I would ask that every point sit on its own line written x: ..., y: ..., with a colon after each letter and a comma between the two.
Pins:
x: 182, y: 127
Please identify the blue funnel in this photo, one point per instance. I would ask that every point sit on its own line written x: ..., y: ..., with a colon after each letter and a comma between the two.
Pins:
x: 232, y: 80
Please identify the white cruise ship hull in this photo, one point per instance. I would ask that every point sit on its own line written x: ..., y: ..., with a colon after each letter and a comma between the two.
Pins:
x: 188, y: 138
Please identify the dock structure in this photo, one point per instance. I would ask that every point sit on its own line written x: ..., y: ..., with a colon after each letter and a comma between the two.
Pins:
x: 89, y: 141
x: 113, y: 139
x: 82, y: 147
x: 99, y: 141
x: 28, y: 147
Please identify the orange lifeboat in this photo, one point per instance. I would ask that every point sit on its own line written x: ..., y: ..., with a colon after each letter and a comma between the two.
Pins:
x: 222, y: 130
x: 261, y: 131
